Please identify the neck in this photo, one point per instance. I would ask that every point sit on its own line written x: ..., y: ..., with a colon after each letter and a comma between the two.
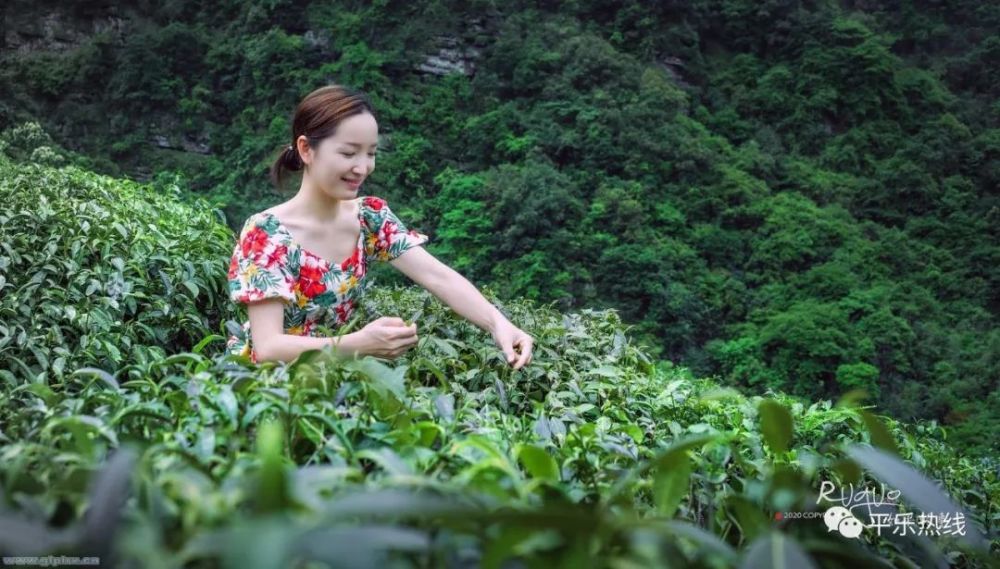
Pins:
x: 312, y: 201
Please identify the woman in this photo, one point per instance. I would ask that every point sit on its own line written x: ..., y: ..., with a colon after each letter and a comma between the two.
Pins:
x: 302, y: 263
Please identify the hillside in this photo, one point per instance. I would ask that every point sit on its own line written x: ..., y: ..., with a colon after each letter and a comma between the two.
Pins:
x: 789, y: 196
x: 156, y: 450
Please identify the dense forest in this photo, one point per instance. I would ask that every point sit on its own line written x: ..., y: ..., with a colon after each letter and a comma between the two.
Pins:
x: 785, y: 195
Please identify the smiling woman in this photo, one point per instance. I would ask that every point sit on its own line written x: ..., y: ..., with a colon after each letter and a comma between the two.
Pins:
x: 299, y: 266
x: 321, y: 115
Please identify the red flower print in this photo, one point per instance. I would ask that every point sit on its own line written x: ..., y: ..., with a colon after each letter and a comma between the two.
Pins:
x: 277, y: 255
x: 387, y: 231
x: 356, y: 261
x: 254, y: 241
x: 344, y: 310
x: 374, y: 202
x: 309, y: 281
x: 234, y: 265
x: 253, y: 294
x: 350, y: 261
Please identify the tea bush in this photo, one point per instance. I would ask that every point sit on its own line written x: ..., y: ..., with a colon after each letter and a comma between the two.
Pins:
x: 150, y: 447
x: 102, y: 272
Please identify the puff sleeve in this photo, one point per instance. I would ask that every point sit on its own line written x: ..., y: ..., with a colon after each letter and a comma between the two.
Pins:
x: 389, y: 237
x: 258, y: 268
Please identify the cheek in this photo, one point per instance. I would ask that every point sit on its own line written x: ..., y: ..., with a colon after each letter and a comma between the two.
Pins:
x: 336, y: 164
x: 325, y: 169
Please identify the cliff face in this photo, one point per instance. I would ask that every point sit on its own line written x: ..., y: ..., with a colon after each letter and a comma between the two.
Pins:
x: 27, y: 27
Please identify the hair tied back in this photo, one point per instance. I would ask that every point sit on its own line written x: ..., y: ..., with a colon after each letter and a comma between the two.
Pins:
x: 291, y: 159
x: 316, y: 118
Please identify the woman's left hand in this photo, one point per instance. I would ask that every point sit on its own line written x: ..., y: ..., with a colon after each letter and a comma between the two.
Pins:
x: 508, y: 337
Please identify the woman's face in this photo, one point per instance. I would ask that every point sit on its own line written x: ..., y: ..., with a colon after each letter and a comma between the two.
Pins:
x: 340, y: 163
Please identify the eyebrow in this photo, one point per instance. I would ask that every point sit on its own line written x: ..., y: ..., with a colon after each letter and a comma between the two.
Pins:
x: 375, y: 145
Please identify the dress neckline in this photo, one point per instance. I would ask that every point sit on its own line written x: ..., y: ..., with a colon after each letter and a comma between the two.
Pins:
x: 326, y: 263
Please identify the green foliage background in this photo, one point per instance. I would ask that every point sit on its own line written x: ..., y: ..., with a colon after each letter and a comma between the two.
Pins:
x: 804, y: 205
x: 805, y: 202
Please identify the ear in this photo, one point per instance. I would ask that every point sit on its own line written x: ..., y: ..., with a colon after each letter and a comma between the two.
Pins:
x: 305, y: 151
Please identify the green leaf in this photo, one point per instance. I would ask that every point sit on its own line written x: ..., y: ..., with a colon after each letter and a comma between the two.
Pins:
x: 192, y: 287
x: 706, y: 540
x: 881, y: 437
x: 775, y: 550
x: 445, y: 346
x: 538, y: 462
x: 662, y: 459
x: 750, y: 517
x: 107, y: 499
x: 384, y: 378
x: 104, y: 376
x: 396, y: 502
x: 228, y: 404
x: 606, y: 371
x: 362, y: 546
x: 205, y: 341
x: 388, y: 460
x: 775, y: 425
x: 272, y: 484
x: 917, y: 489
x: 851, y: 398
x: 259, y: 544
x: 671, y: 482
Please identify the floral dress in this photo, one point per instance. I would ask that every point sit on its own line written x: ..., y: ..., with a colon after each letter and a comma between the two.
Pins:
x: 267, y: 262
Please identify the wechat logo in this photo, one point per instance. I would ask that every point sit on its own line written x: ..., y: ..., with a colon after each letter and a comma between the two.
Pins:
x: 841, y: 519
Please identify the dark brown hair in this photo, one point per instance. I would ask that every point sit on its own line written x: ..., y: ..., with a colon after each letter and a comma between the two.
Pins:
x: 317, y: 117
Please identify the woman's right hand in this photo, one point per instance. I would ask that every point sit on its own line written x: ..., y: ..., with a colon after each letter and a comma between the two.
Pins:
x: 388, y: 337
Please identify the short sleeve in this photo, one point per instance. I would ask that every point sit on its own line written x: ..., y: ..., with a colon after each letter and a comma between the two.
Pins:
x: 258, y: 268
x: 390, y: 237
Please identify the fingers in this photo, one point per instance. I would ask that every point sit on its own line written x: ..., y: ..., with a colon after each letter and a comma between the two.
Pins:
x: 525, y: 345
x: 404, y: 331
x: 522, y: 358
x: 405, y: 336
x: 509, y: 354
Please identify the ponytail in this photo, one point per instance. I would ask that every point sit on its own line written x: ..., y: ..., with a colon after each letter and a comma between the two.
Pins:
x: 288, y: 161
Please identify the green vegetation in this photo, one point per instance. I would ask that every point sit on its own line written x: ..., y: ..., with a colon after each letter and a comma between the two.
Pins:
x: 780, y: 195
x: 100, y: 273
x: 173, y: 454
x: 756, y: 243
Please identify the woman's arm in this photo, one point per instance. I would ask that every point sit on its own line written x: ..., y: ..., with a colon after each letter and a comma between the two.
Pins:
x: 462, y: 296
x: 287, y: 347
x: 465, y: 299
x: 272, y: 344
x: 450, y: 286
